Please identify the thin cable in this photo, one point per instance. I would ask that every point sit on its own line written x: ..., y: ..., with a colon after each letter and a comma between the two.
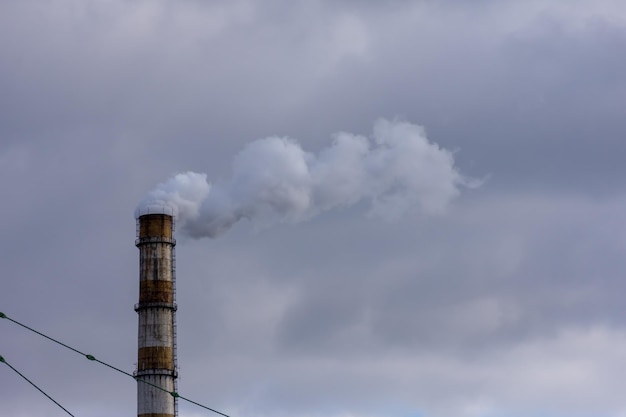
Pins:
x: 33, y: 384
x: 4, y: 316
x: 94, y: 359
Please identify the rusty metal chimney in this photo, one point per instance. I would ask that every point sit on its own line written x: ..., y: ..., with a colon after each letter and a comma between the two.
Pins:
x: 156, y: 359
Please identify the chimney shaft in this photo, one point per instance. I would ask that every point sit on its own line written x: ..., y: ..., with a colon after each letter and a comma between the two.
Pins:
x: 156, y: 359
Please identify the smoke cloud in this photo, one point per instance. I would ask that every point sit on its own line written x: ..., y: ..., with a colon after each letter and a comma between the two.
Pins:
x: 275, y: 180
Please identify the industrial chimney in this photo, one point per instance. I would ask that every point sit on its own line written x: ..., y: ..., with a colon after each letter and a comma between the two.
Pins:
x: 156, y: 359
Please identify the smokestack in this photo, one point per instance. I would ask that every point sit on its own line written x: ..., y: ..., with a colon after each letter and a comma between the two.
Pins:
x: 156, y: 359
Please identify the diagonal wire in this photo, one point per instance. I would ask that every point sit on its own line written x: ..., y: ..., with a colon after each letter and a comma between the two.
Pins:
x: 2, y: 360
x: 93, y: 358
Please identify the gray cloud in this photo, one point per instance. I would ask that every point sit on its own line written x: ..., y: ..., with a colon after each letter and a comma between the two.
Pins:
x: 507, y: 305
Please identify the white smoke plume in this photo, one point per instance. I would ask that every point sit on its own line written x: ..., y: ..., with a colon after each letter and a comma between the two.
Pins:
x: 274, y: 179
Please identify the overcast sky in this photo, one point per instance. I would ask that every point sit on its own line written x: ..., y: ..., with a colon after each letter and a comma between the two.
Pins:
x: 509, y: 303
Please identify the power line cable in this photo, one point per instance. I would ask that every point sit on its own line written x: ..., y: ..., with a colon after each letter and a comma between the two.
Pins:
x: 93, y: 358
x: 33, y: 384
